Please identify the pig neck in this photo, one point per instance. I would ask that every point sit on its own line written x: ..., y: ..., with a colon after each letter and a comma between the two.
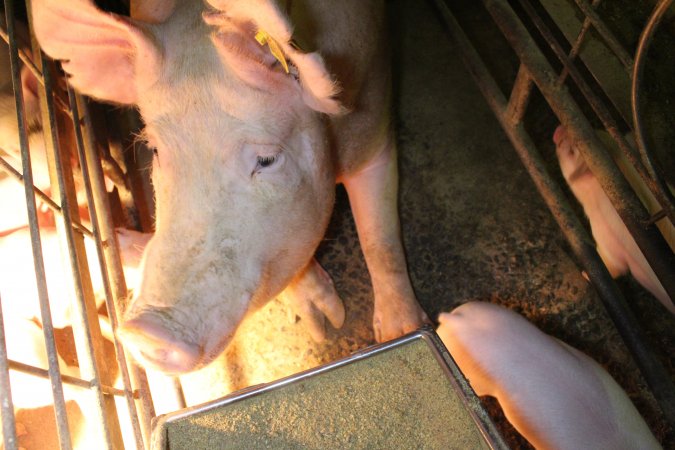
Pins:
x: 350, y: 36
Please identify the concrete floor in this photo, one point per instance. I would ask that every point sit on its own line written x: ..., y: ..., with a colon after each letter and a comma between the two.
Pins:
x: 473, y: 225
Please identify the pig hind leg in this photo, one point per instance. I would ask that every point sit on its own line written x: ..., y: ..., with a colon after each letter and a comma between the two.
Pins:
x: 373, y: 195
x: 312, y: 296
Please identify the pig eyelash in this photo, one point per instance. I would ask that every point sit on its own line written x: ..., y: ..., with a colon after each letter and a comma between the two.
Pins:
x: 265, y: 161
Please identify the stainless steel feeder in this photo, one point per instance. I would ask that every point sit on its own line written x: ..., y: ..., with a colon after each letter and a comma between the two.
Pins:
x: 407, y: 393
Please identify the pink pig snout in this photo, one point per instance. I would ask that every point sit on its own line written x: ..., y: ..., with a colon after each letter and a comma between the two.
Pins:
x: 153, y: 341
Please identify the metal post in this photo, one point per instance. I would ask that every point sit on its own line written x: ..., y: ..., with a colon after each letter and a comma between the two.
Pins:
x: 6, y: 405
x: 111, y: 266
x: 45, y: 313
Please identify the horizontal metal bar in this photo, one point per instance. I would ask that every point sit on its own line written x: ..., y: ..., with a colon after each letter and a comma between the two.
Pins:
x: 25, y: 57
x: 94, y: 184
x: 657, y: 377
x: 574, y: 51
x: 66, y: 379
x: 520, y: 95
x: 8, y: 168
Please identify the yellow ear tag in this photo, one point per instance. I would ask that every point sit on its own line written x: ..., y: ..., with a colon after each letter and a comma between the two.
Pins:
x: 264, y: 38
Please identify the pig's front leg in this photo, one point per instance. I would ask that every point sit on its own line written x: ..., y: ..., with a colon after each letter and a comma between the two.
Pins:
x: 373, y: 195
x: 312, y: 296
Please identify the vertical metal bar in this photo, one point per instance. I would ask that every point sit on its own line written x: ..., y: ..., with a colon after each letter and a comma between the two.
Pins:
x: 88, y: 341
x: 657, y: 377
x: 112, y: 421
x: 6, y: 405
x: 45, y: 313
x: 81, y: 324
x: 112, y: 273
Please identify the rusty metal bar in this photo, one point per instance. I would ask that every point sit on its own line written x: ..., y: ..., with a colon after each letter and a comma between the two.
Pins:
x: 45, y: 313
x: 654, y: 184
x: 88, y: 341
x: 7, y: 167
x: 111, y: 268
x: 576, y: 47
x: 657, y: 377
x: 87, y: 318
x: 6, y: 406
x: 630, y: 209
x: 609, y: 38
x: 66, y: 379
x: 643, y: 46
x: 25, y: 57
x: 520, y: 95
x: 28, y: 62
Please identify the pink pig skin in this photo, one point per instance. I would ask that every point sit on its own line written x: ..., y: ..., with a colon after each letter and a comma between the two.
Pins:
x: 555, y: 396
x: 247, y: 158
x: 615, y: 245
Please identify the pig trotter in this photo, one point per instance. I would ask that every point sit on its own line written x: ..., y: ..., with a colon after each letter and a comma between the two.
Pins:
x: 373, y: 193
x: 312, y: 296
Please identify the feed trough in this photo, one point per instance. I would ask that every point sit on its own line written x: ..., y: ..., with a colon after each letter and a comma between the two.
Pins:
x: 407, y: 393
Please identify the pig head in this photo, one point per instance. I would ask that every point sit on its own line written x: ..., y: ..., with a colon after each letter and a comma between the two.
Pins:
x: 249, y: 142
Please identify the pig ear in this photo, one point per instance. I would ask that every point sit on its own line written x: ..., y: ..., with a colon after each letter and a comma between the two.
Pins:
x: 254, y: 39
x: 101, y: 52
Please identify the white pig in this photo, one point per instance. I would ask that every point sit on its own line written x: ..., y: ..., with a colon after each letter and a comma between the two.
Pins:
x: 615, y: 244
x: 17, y: 273
x: 555, y: 396
x: 251, y: 133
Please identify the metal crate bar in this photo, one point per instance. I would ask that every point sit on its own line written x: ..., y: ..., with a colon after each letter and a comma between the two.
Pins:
x: 609, y: 38
x: 6, y: 405
x: 643, y: 45
x: 584, y: 248
x: 110, y: 265
x: 574, y: 51
x: 92, y: 204
x: 651, y: 179
x: 629, y: 207
x: 48, y: 330
x: 86, y: 319
x: 8, y: 168
x: 66, y: 379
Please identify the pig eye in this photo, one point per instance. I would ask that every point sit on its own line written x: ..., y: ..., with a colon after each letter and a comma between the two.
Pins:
x: 265, y: 161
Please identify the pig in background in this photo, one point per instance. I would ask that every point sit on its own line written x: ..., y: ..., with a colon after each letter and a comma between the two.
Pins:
x: 615, y: 245
x: 249, y: 146
x: 23, y: 324
x: 12, y: 196
x: 555, y: 396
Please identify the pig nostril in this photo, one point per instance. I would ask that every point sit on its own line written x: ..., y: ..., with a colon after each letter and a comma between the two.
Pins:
x: 156, y: 347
